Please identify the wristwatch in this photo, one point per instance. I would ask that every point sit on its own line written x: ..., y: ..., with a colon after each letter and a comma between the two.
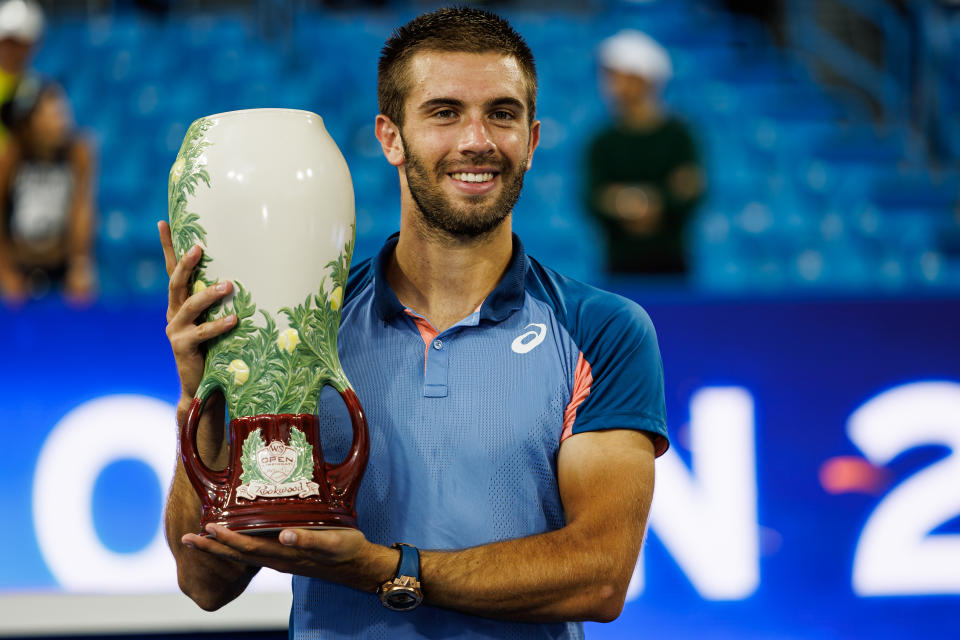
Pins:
x: 402, y: 593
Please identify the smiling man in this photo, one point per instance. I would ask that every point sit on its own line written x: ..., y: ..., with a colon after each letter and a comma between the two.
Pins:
x: 514, y: 414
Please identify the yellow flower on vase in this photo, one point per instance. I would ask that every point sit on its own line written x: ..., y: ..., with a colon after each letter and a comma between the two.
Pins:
x: 177, y: 170
x: 336, y: 298
x: 240, y: 371
x: 288, y: 340
x: 199, y: 285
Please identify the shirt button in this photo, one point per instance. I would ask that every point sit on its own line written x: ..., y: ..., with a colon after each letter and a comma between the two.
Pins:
x: 438, y: 344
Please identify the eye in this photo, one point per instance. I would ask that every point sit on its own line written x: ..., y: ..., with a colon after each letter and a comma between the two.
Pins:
x: 503, y: 114
x: 445, y: 114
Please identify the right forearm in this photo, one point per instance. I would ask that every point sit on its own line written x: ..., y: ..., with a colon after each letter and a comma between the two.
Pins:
x: 6, y: 250
x: 210, y: 581
x: 10, y: 278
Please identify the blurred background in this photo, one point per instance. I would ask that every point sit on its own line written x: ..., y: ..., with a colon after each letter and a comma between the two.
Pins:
x: 796, y: 164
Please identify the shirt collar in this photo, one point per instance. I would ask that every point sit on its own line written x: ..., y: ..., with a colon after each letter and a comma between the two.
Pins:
x: 505, y: 298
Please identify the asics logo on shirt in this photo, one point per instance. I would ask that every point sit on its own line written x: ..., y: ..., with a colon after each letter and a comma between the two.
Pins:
x: 527, y: 341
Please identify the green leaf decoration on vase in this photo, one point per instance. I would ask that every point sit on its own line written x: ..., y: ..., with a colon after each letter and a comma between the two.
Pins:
x: 304, y: 468
x: 260, y: 369
x: 248, y: 458
x: 187, y: 173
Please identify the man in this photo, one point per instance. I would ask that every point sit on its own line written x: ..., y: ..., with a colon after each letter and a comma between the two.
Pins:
x: 643, y: 173
x: 473, y: 363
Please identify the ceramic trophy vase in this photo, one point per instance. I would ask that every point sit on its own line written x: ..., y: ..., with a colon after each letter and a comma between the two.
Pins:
x: 268, y: 196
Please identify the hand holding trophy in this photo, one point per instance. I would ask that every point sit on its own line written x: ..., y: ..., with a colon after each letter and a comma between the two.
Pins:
x: 268, y: 196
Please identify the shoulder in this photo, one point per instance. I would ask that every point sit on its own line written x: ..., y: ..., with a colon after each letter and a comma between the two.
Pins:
x: 676, y: 123
x: 622, y: 373
x: 79, y: 150
x: 677, y: 127
x: 12, y: 153
x: 603, y: 136
x: 590, y: 315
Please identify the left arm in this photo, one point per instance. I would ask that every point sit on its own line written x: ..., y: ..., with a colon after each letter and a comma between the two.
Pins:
x: 80, y: 271
x: 578, y: 572
x: 13, y: 286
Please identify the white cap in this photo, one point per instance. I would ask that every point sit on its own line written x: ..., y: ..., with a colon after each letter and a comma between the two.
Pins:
x: 21, y: 19
x: 634, y: 52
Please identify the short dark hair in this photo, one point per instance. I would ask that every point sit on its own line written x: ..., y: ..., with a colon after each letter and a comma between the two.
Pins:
x: 460, y: 29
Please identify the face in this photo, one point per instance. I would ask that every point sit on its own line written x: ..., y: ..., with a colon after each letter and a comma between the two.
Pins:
x: 626, y: 88
x: 466, y: 140
x: 15, y: 54
x: 50, y: 121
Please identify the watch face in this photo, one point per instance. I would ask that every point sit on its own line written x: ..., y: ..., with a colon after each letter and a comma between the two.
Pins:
x: 403, y: 599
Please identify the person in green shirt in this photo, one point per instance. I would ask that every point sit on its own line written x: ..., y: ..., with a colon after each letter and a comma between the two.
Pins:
x: 643, y: 173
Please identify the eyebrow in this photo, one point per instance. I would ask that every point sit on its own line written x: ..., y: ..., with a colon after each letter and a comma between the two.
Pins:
x: 505, y: 101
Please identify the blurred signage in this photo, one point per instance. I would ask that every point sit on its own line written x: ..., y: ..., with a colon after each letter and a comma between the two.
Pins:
x: 813, y: 489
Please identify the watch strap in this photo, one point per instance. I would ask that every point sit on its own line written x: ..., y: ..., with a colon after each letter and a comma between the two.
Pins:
x: 409, y: 560
x: 402, y: 592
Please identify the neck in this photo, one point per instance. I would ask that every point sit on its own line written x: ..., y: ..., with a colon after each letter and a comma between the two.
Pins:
x: 445, y: 279
x: 642, y: 114
x: 41, y: 149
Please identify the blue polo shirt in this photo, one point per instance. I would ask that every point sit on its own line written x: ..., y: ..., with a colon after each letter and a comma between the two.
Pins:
x: 465, y: 426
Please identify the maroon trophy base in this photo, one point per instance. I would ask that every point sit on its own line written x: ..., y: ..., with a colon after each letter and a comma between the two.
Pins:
x: 264, y: 518
x: 243, y: 497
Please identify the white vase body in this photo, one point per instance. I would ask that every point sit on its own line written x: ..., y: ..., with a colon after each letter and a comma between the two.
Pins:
x: 280, y: 205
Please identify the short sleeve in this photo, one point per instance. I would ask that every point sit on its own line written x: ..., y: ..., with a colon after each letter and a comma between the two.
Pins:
x: 619, y: 348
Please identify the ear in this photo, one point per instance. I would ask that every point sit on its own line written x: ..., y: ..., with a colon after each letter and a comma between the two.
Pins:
x: 533, y: 142
x: 388, y: 134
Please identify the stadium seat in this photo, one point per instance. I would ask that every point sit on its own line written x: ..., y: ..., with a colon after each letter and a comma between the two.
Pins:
x: 797, y: 196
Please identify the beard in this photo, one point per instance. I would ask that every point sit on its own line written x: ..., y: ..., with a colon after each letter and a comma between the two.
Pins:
x: 472, y: 220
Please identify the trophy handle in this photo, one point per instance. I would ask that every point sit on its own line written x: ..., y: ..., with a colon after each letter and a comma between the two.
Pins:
x: 206, y: 481
x: 344, y: 478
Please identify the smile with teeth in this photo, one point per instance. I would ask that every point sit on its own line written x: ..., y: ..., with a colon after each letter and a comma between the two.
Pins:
x: 472, y: 177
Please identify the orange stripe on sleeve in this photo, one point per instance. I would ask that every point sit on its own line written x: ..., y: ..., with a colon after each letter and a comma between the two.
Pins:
x: 583, y: 379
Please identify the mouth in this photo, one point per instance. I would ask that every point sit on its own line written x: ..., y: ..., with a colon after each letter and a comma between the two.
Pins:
x: 474, y: 181
x: 464, y: 176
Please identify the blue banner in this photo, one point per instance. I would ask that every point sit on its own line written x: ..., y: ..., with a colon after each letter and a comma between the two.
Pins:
x: 812, y: 489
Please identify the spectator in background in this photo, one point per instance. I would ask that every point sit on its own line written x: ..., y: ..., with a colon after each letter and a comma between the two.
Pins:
x: 46, y: 210
x: 643, y: 174
x: 21, y: 25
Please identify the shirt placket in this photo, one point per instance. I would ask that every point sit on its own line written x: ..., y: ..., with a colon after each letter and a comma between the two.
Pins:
x: 437, y: 346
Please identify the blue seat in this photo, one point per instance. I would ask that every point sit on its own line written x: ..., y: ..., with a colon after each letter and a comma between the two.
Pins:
x: 832, y: 205
x: 911, y: 189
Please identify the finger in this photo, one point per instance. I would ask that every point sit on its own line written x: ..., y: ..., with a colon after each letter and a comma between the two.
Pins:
x: 184, y: 268
x: 207, y: 330
x: 210, y: 545
x: 325, y: 541
x: 259, y: 550
x: 186, y: 340
x: 191, y: 308
x: 166, y: 241
x: 180, y: 277
x: 290, y: 537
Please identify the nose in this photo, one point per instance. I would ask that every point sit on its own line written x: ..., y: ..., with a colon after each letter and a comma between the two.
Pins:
x: 475, y: 138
